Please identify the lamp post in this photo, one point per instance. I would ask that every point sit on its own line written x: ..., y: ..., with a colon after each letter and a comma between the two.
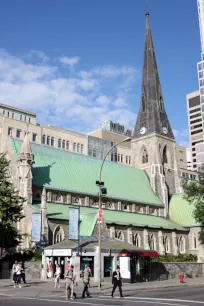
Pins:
x: 99, y: 224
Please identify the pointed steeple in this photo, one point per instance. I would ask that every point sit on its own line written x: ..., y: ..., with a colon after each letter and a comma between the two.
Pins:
x: 26, y: 147
x: 152, y: 117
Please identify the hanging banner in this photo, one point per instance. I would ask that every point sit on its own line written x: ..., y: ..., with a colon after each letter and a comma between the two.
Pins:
x: 100, y: 215
x: 36, y: 227
x: 73, y: 224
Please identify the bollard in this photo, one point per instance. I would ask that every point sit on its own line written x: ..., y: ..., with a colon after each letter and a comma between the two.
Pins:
x: 181, y: 277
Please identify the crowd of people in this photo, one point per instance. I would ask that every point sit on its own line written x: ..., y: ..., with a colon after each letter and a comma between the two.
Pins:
x: 70, y: 280
x: 18, y: 271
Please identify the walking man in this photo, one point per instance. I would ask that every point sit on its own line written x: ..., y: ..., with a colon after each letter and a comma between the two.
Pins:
x: 23, y: 272
x: 86, y: 280
x: 69, y: 283
x: 18, y: 276
x: 116, y: 281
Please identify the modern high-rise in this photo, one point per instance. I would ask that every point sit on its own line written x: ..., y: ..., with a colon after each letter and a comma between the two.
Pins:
x: 194, y: 110
x: 200, y: 65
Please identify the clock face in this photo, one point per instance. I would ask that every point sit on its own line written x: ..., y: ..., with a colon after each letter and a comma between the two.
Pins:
x: 142, y: 130
x: 165, y: 130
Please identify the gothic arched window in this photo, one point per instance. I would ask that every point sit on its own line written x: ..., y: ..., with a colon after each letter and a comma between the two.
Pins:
x: 120, y: 236
x: 143, y: 104
x: 161, y: 108
x: 152, y: 242
x: 181, y: 245
x: 165, y: 159
x: 43, y: 139
x: 58, y: 234
x: 137, y: 240
x: 59, y: 143
x: 67, y: 145
x: 144, y: 157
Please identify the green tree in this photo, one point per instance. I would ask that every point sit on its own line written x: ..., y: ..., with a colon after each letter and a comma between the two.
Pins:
x: 11, y: 208
x: 194, y: 194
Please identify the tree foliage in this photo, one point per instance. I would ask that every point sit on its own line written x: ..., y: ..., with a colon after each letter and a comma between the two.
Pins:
x: 11, y: 208
x: 194, y: 194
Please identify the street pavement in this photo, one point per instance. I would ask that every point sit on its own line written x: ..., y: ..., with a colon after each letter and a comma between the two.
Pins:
x: 43, y: 294
x: 190, y: 296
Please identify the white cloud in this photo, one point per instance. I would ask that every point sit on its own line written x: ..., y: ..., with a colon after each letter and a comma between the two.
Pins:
x: 120, y: 102
x: 70, y: 61
x: 78, y: 101
x: 38, y: 53
x: 182, y: 137
x: 103, y: 100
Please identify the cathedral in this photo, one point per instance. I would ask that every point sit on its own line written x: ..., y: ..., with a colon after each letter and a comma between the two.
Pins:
x: 144, y: 205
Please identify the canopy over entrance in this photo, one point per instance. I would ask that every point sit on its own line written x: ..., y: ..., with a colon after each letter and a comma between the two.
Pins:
x: 144, y: 253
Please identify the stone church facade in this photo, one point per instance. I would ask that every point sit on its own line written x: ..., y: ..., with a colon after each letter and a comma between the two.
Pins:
x: 137, y: 206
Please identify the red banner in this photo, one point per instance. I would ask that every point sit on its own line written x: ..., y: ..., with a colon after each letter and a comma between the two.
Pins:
x: 100, y: 215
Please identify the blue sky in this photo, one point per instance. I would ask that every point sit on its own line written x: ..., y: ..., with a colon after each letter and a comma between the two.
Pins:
x: 77, y: 63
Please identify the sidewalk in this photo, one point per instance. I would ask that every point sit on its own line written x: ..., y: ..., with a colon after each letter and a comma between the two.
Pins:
x: 40, y: 287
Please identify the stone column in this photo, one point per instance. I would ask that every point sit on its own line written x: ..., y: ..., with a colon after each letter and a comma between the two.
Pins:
x: 147, y: 210
x: 160, y: 243
x: 86, y: 201
x: 119, y: 206
x: 174, y: 244
x: 129, y: 235
x: 43, y: 275
x: 133, y: 208
x: 145, y: 239
x: 69, y: 199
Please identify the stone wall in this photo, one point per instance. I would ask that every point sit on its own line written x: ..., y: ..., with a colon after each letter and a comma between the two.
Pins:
x: 33, y: 270
x: 171, y: 270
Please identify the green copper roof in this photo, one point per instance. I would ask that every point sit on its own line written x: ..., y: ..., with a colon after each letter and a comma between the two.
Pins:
x: 58, y: 169
x: 181, y: 211
x: 88, y: 218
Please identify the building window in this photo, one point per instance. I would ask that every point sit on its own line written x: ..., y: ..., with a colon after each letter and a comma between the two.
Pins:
x: 120, y: 236
x: 94, y: 152
x: 121, y: 158
x: 195, y: 241
x: 12, y: 115
x: 25, y: 118
x: 59, y: 143
x: 144, y: 157
x: 29, y: 119
x: 18, y: 133
x: 34, y: 137
x: 52, y: 141
x: 8, y: 114
x: 48, y: 140
x: 82, y: 149
x: 3, y: 112
x: 10, y: 131
x: 137, y: 240
x: 67, y: 145
x: 20, y: 117
x: 63, y: 144
x: 43, y: 139
x: 74, y: 147
x: 181, y: 245
x: 78, y: 147
x: 129, y: 160
x: 126, y: 159
x: 118, y: 157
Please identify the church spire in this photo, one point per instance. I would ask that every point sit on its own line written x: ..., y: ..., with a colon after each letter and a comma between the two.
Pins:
x: 152, y: 117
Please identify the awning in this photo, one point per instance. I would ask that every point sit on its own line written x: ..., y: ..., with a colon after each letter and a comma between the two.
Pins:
x: 145, y: 253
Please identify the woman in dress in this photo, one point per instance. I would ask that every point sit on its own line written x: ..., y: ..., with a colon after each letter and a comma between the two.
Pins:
x: 57, y: 276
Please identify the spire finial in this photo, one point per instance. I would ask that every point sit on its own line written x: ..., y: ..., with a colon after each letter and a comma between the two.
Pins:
x: 147, y: 11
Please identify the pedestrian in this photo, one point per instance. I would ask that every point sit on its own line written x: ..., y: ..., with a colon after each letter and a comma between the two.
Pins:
x: 86, y: 281
x: 23, y: 272
x: 14, y: 267
x: 57, y: 276
x: 49, y: 270
x: 18, y: 276
x: 69, y: 283
x: 116, y: 281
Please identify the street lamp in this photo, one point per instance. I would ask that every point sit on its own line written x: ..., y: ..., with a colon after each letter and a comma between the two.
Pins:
x: 128, y: 139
